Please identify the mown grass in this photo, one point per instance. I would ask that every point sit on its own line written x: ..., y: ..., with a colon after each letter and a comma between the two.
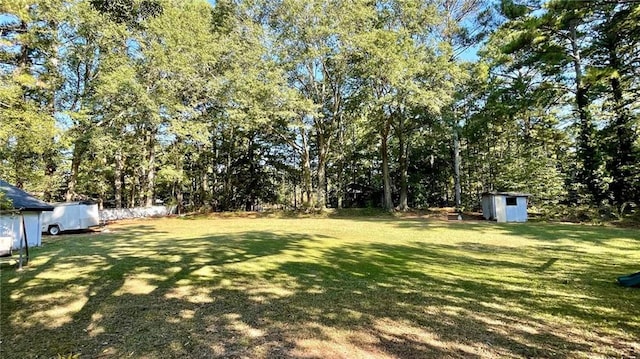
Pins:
x: 325, y: 288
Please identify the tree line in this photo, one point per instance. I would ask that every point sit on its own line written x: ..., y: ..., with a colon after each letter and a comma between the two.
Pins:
x: 396, y: 104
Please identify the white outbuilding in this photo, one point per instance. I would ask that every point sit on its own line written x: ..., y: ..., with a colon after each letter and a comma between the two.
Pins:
x: 24, y: 219
x: 505, y: 206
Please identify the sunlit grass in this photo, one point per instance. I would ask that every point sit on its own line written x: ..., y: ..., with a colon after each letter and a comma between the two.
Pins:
x: 325, y: 287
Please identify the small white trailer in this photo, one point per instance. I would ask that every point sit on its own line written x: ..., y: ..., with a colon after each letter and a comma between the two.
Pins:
x: 70, y: 216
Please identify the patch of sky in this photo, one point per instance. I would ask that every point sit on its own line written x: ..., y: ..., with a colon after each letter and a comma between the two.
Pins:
x: 470, y: 54
x: 8, y: 20
x: 63, y: 120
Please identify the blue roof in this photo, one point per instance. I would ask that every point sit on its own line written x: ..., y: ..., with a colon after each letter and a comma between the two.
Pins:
x: 22, y: 200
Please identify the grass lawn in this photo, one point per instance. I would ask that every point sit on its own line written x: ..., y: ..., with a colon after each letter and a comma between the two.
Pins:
x: 325, y: 288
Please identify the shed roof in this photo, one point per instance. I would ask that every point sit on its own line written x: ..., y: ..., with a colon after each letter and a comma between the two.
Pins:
x: 22, y: 200
x: 509, y: 194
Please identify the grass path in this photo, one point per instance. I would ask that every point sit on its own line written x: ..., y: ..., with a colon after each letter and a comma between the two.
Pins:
x: 325, y: 288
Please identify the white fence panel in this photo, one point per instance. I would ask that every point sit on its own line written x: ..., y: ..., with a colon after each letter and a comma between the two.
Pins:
x: 112, y: 214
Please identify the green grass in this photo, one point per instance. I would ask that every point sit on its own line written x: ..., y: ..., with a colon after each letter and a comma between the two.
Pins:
x: 325, y: 288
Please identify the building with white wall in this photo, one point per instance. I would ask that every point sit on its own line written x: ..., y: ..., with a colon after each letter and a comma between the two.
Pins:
x: 505, y: 206
x: 24, y: 219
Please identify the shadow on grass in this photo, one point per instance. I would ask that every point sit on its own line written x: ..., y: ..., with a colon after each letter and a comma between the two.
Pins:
x: 248, y: 295
x: 598, y: 235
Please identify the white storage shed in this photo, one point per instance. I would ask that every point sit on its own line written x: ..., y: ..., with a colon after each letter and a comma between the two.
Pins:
x: 505, y: 206
x: 27, y: 210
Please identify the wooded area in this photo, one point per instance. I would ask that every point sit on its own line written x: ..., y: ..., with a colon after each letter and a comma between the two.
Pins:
x: 306, y: 103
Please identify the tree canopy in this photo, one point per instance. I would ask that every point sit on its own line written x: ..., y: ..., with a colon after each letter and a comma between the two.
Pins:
x: 238, y: 104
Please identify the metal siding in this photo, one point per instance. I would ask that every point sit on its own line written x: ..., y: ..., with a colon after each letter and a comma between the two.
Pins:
x: 500, y: 203
x: 486, y: 207
x: 32, y: 221
x: 522, y: 209
x: 14, y: 230
x: 517, y: 213
x: 494, y: 206
x: 10, y: 227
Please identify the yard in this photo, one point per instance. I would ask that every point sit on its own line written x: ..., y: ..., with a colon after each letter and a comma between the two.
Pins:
x: 325, y: 288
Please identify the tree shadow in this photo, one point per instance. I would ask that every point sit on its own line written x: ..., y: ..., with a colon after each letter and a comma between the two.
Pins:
x: 268, y: 295
x: 123, y: 312
x: 551, y: 232
x: 378, y: 282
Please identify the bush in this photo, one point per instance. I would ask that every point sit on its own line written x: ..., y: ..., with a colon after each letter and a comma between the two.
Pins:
x: 5, y: 203
x: 589, y: 213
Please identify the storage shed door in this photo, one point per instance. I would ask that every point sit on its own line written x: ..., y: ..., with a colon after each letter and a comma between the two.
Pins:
x: 500, y: 204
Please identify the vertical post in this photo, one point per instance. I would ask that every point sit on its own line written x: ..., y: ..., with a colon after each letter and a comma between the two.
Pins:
x: 25, y: 249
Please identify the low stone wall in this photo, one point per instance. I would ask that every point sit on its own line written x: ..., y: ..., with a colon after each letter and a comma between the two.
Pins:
x: 112, y: 214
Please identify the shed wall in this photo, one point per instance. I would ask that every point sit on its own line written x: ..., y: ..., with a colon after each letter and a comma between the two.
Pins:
x: 32, y: 223
x: 521, y: 210
x: 487, y: 207
x: 500, y: 203
x: 494, y: 207
x: 11, y: 226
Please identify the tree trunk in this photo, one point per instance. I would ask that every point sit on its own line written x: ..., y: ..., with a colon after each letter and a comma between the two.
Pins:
x: 340, y: 186
x: 118, y: 178
x: 101, y: 198
x: 133, y: 193
x: 141, y: 183
x: 227, y: 183
x: 456, y: 167
x: 386, y: 177
x: 151, y: 170
x: 214, y: 198
x: 306, y: 169
x: 404, y: 164
x: 179, y: 198
x: 205, y: 189
x: 49, y: 170
x: 78, y: 151
x: 587, y: 146
x: 321, y: 201
x: 250, y: 199
x: 624, y: 158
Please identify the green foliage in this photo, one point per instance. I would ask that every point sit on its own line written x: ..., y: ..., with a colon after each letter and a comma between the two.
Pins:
x: 28, y: 82
x: 68, y: 356
x: 131, y: 12
x: 5, y: 203
x: 320, y: 103
x: 589, y: 213
x: 561, y: 45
